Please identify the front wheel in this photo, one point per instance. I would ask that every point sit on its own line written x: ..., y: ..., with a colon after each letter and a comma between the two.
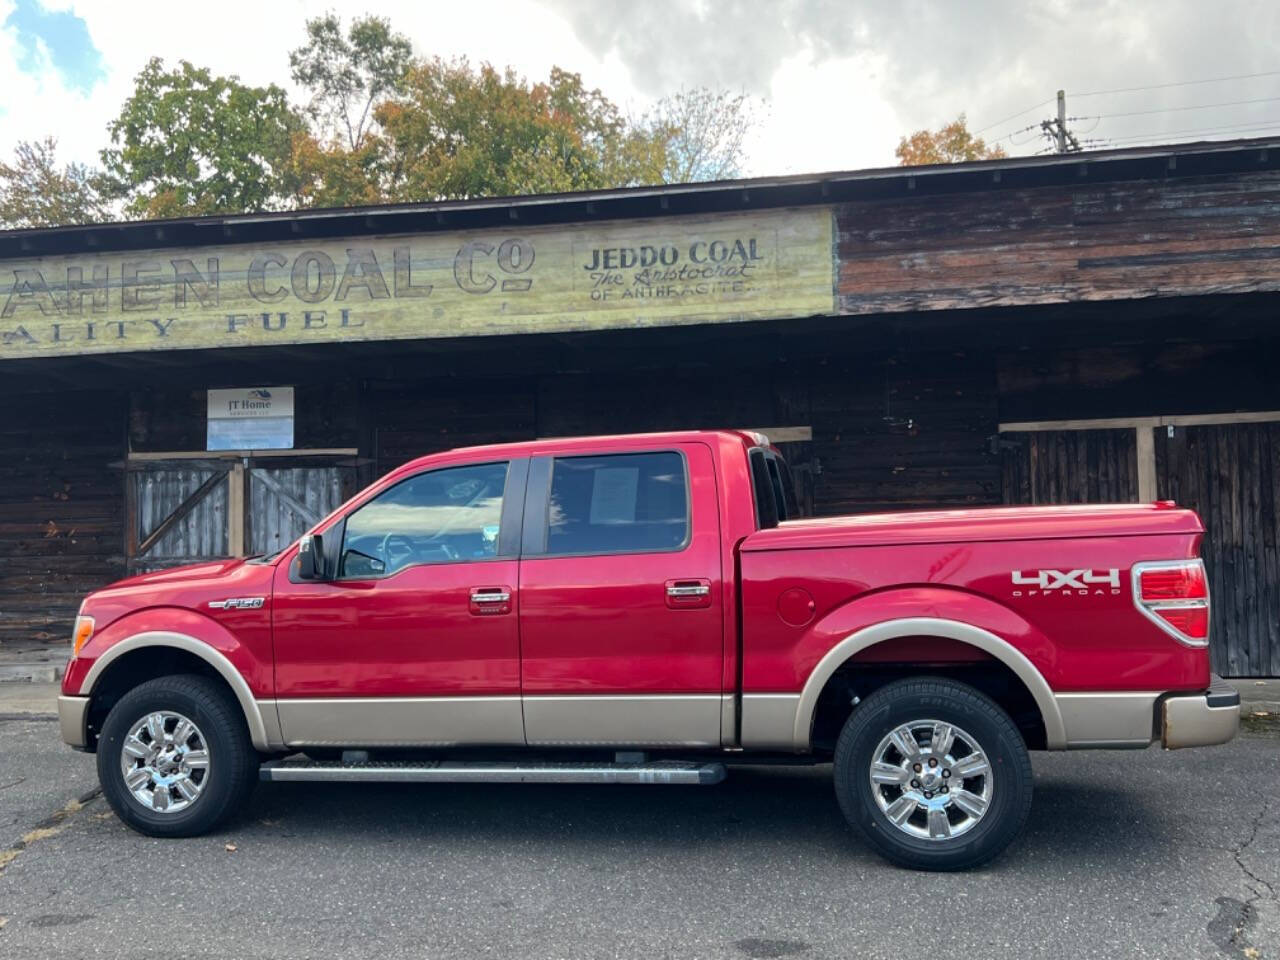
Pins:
x: 933, y: 774
x: 174, y: 757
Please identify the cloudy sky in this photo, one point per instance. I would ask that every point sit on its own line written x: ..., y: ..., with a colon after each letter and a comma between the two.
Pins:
x: 842, y: 79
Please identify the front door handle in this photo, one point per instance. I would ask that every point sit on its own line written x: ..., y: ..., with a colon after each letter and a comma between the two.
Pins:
x: 690, y: 594
x: 488, y: 601
x: 688, y: 590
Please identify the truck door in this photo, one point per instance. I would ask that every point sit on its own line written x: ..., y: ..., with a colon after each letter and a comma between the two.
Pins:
x: 414, y: 640
x: 621, y: 591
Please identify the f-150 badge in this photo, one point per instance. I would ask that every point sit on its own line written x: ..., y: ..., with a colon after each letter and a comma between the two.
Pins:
x: 1082, y: 582
x: 237, y: 603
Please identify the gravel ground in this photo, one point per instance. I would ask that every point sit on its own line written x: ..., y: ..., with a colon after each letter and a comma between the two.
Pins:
x: 1146, y: 854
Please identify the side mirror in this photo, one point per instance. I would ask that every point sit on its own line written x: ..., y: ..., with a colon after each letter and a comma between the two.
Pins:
x: 311, y: 557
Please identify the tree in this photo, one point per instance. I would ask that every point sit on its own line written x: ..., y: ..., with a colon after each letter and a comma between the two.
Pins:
x: 455, y: 131
x: 334, y: 176
x: 952, y: 143
x: 348, y: 75
x: 188, y: 142
x: 36, y: 192
x: 704, y: 132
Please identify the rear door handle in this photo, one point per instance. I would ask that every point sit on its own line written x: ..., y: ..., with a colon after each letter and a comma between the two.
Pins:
x: 689, y: 594
x: 488, y: 601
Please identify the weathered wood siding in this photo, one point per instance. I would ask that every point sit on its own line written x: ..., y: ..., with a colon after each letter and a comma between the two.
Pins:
x: 1110, y: 241
x: 886, y: 435
x: 61, y: 511
x: 1070, y: 466
x: 165, y: 419
x: 1230, y: 475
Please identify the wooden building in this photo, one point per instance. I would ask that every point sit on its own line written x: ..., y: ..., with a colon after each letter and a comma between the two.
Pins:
x: 1098, y: 326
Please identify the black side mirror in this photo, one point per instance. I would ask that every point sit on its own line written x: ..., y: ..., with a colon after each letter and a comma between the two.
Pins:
x: 311, y: 557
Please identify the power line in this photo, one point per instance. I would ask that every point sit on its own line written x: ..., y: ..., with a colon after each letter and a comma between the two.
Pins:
x: 1229, y: 128
x: 998, y: 123
x: 1179, y: 83
x: 1199, y: 106
x: 1100, y: 93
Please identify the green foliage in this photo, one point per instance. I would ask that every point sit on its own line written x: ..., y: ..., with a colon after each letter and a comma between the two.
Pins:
x: 35, y: 192
x: 380, y: 126
x: 456, y: 131
x: 188, y: 142
x: 334, y: 176
x: 348, y: 74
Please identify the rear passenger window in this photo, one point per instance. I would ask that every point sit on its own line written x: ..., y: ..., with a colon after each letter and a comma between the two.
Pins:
x: 623, y: 503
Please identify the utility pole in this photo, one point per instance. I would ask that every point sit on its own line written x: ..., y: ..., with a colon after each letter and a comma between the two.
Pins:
x: 1064, y: 140
x: 1062, y: 121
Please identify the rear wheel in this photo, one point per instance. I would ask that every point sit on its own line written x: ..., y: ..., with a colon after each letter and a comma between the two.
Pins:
x: 174, y: 757
x: 933, y: 774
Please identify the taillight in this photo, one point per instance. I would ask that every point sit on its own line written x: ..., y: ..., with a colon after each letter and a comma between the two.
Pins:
x: 1175, y: 595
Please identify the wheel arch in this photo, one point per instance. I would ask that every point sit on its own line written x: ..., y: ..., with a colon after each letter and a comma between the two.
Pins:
x: 260, y: 718
x: 981, y: 639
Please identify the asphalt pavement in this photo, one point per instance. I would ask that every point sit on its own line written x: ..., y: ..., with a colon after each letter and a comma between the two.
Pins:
x: 1129, y: 854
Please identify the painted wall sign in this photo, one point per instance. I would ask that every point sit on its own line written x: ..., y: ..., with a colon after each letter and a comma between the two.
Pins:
x: 250, y: 418
x: 677, y: 270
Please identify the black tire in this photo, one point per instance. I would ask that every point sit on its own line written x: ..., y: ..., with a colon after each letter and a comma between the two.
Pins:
x: 233, y: 762
x: 934, y: 698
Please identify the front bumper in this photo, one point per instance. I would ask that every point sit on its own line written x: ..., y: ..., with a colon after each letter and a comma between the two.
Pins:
x: 71, y: 717
x: 1200, y: 719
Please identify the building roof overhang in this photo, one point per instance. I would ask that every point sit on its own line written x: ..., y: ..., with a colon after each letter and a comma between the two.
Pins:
x: 1166, y: 162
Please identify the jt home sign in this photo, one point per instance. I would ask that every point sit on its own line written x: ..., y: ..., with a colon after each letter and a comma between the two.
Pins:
x: 581, y: 277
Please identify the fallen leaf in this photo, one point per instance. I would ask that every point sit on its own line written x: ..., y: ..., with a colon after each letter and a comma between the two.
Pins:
x: 3, y: 921
x: 1251, y: 952
x: 231, y: 848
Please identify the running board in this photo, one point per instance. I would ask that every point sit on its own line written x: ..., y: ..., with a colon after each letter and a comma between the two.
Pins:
x: 660, y: 772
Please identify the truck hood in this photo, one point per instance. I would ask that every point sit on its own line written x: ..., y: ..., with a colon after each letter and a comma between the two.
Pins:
x: 186, y: 574
x: 983, y: 524
x: 191, y: 587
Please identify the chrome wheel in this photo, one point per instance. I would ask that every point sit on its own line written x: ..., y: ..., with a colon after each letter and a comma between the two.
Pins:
x: 931, y: 779
x: 165, y: 762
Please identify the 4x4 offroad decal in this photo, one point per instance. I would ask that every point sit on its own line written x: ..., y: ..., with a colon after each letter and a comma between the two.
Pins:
x: 1085, y: 582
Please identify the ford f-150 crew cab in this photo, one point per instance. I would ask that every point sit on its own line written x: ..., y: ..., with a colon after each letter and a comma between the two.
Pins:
x: 648, y: 609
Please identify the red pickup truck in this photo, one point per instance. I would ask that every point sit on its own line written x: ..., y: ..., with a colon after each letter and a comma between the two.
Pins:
x: 649, y: 609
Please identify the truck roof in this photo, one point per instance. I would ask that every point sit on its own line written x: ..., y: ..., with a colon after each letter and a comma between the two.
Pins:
x: 571, y: 444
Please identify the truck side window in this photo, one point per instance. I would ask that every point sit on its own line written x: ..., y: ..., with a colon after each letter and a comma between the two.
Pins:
x: 621, y: 503
x: 766, y: 499
x: 442, y: 516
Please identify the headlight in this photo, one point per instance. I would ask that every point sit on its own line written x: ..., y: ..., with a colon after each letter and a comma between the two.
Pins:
x: 81, y: 634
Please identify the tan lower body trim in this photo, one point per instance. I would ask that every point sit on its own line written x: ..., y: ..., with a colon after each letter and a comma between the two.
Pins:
x: 631, y: 721
x: 402, y: 722
x: 1189, y: 721
x: 1108, y: 719
x: 769, y: 721
x: 728, y: 720
x: 71, y: 716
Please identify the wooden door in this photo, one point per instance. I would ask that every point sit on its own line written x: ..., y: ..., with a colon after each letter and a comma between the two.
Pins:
x: 177, y: 513
x: 187, y: 510
x: 284, y: 502
x: 1230, y: 475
